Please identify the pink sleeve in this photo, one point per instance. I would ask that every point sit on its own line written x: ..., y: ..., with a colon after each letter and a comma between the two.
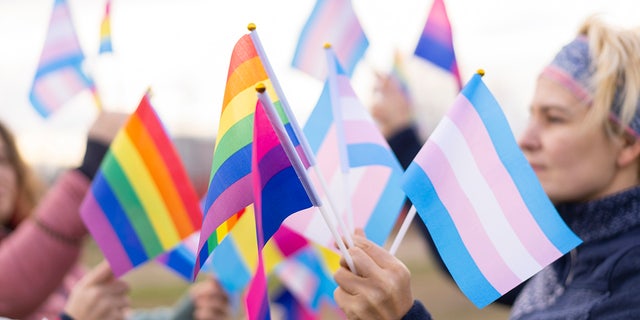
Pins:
x: 33, y: 260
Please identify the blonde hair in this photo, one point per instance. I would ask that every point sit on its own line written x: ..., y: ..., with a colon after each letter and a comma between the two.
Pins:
x: 616, y: 65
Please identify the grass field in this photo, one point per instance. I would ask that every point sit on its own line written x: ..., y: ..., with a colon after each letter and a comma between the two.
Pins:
x: 152, y: 285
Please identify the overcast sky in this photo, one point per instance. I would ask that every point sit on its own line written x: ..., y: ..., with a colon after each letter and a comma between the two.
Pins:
x: 181, y: 49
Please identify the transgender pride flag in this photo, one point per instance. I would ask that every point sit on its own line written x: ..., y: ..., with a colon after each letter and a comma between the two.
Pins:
x: 374, y: 173
x: 335, y: 22
x: 487, y: 213
x: 59, y: 76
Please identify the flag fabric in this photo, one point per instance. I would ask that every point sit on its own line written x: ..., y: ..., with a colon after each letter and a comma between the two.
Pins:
x: 436, y: 41
x: 308, y: 276
x: 257, y: 298
x: 485, y: 209
x: 335, y: 22
x: 105, y: 30
x: 278, y: 193
x: 292, y: 308
x: 399, y: 74
x: 374, y: 171
x: 141, y: 202
x: 59, y: 76
x: 230, y: 184
x: 277, y: 189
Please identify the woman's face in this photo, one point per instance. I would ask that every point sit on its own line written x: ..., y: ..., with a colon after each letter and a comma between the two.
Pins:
x: 573, y: 161
x: 8, y: 184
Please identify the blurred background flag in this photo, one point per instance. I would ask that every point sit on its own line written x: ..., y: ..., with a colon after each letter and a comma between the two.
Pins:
x: 374, y: 171
x: 60, y: 74
x: 335, y: 22
x: 105, y: 30
x: 141, y: 202
x: 436, y: 41
x: 488, y: 215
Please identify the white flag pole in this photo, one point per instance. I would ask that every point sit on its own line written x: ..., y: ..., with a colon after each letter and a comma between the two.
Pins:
x: 403, y: 230
x: 298, y: 131
x: 298, y: 166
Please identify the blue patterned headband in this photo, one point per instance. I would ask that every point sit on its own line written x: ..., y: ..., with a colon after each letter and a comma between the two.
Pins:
x: 572, y: 69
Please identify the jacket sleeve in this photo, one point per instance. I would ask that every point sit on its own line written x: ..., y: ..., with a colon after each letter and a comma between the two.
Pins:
x: 35, y: 258
x: 417, y: 312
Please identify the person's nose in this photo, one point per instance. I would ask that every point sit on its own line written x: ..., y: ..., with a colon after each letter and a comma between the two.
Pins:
x: 530, y: 138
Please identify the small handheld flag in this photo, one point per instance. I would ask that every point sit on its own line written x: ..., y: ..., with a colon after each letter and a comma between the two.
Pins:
x: 436, y: 41
x: 484, y: 207
x: 141, y: 202
x: 336, y: 22
x: 60, y: 75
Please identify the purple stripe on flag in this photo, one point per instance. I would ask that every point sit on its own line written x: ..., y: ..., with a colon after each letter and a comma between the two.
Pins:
x: 464, y: 215
x: 516, y: 212
x: 101, y: 228
x: 234, y: 196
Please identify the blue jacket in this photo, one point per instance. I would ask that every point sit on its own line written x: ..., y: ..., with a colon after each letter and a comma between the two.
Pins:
x: 601, y: 278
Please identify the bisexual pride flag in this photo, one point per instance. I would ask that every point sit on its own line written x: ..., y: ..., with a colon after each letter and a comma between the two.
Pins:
x: 487, y: 213
x: 436, y: 41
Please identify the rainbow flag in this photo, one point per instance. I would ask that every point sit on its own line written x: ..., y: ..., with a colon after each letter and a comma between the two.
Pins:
x: 335, y: 22
x: 487, y: 213
x: 105, y: 30
x: 399, y: 73
x: 374, y: 171
x: 141, y: 202
x: 436, y: 41
x: 59, y: 76
x: 230, y: 184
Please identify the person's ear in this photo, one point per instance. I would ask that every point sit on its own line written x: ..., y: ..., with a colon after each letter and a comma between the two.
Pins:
x: 630, y: 151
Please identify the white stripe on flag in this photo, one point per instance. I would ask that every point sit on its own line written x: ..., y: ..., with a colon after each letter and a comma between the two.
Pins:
x: 503, y: 238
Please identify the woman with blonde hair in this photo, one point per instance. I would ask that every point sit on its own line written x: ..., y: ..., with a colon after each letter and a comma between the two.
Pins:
x: 583, y: 142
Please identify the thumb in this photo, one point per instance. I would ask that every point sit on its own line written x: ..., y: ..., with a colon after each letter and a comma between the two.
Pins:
x: 99, y: 274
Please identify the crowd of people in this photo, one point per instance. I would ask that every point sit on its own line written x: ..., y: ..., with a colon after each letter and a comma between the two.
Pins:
x: 582, y: 141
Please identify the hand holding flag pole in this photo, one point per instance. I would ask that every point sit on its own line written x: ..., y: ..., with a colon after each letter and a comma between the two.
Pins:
x: 289, y: 149
x: 311, y: 158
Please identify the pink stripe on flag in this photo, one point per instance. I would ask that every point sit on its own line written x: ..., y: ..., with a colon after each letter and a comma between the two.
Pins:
x: 346, y: 48
x: 440, y: 25
x: 344, y: 87
x: 464, y: 215
x: 257, y: 299
x: 474, y: 131
x: 101, y: 228
x: 363, y: 132
x: 366, y: 190
x: 312, y: 51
